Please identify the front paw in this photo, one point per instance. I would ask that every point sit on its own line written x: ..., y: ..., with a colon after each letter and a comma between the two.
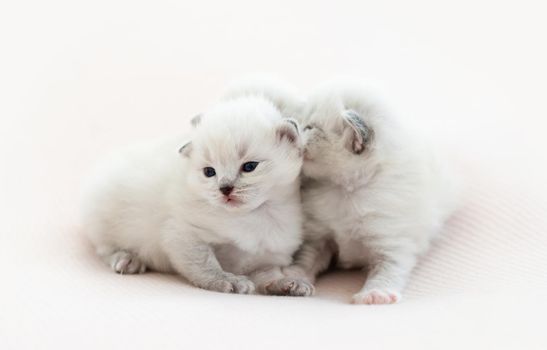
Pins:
x: 126, y: 263
x: 376, y: 297
x: 290, y: 286
x: 232, y: 284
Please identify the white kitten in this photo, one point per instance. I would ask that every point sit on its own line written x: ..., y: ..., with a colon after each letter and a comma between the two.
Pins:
x: 223, y: 211
x: 374, y: 195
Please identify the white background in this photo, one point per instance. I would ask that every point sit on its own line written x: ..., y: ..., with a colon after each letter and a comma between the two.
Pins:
x: 78, y: 79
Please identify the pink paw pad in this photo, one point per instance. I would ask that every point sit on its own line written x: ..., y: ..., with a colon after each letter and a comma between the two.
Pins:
x: 376, y: 297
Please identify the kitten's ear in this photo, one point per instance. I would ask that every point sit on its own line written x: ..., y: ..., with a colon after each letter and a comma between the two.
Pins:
x: 196, y: 120
x: 186, y: 150
x: 357, y: 133
x: 288, y: 130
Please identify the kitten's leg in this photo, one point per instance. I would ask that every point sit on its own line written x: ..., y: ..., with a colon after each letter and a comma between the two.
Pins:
x: 312, y: 258
x: 197, y: 262
x: 386, y: 280
x: 272, y: 281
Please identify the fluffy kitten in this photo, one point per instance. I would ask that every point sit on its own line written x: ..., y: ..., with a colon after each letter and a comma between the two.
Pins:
x: 374, y: 195
x: 224, y: 211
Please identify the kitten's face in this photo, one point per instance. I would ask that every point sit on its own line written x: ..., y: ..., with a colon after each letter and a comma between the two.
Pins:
x: 335, y: 146
x: 241, y: 159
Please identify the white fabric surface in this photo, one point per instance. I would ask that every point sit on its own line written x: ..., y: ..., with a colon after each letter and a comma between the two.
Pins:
x: 81, y: 79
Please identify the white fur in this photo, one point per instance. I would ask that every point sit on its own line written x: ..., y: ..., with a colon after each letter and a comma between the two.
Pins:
x: 151, y: 207
x: 377, y: 209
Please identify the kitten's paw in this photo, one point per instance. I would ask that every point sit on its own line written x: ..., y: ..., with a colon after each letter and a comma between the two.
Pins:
x: 376, y: 296
x: 126, y: 263
x: 232, y: 284
x: 290, y: 286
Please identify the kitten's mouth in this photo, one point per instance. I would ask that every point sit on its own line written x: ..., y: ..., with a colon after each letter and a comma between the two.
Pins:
x: 231, y: 201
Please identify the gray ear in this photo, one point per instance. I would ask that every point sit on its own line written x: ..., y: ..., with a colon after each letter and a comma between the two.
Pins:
x: 186, y: 149
x: 288, y: 130
x: 196, y: 120
x: 357, y: 133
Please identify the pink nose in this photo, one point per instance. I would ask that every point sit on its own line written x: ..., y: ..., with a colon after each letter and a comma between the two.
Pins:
x: 226, y: 190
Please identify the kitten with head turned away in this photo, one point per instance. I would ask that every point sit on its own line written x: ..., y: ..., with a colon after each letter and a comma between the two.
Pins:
x: 374, y: 193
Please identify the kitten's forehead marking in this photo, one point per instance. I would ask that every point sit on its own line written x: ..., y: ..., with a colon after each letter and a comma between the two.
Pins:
x: 196, y: 120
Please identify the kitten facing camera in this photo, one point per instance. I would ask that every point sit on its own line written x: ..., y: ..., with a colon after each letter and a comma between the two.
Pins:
x: 374, y: 195
x: 222, y: 209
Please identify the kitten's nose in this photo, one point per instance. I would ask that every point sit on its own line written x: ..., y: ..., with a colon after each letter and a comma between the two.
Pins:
x: 226, y: 190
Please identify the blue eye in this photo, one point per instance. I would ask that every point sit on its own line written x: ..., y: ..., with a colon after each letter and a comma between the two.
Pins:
x: 249, y: 166
x: 209, y: 172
